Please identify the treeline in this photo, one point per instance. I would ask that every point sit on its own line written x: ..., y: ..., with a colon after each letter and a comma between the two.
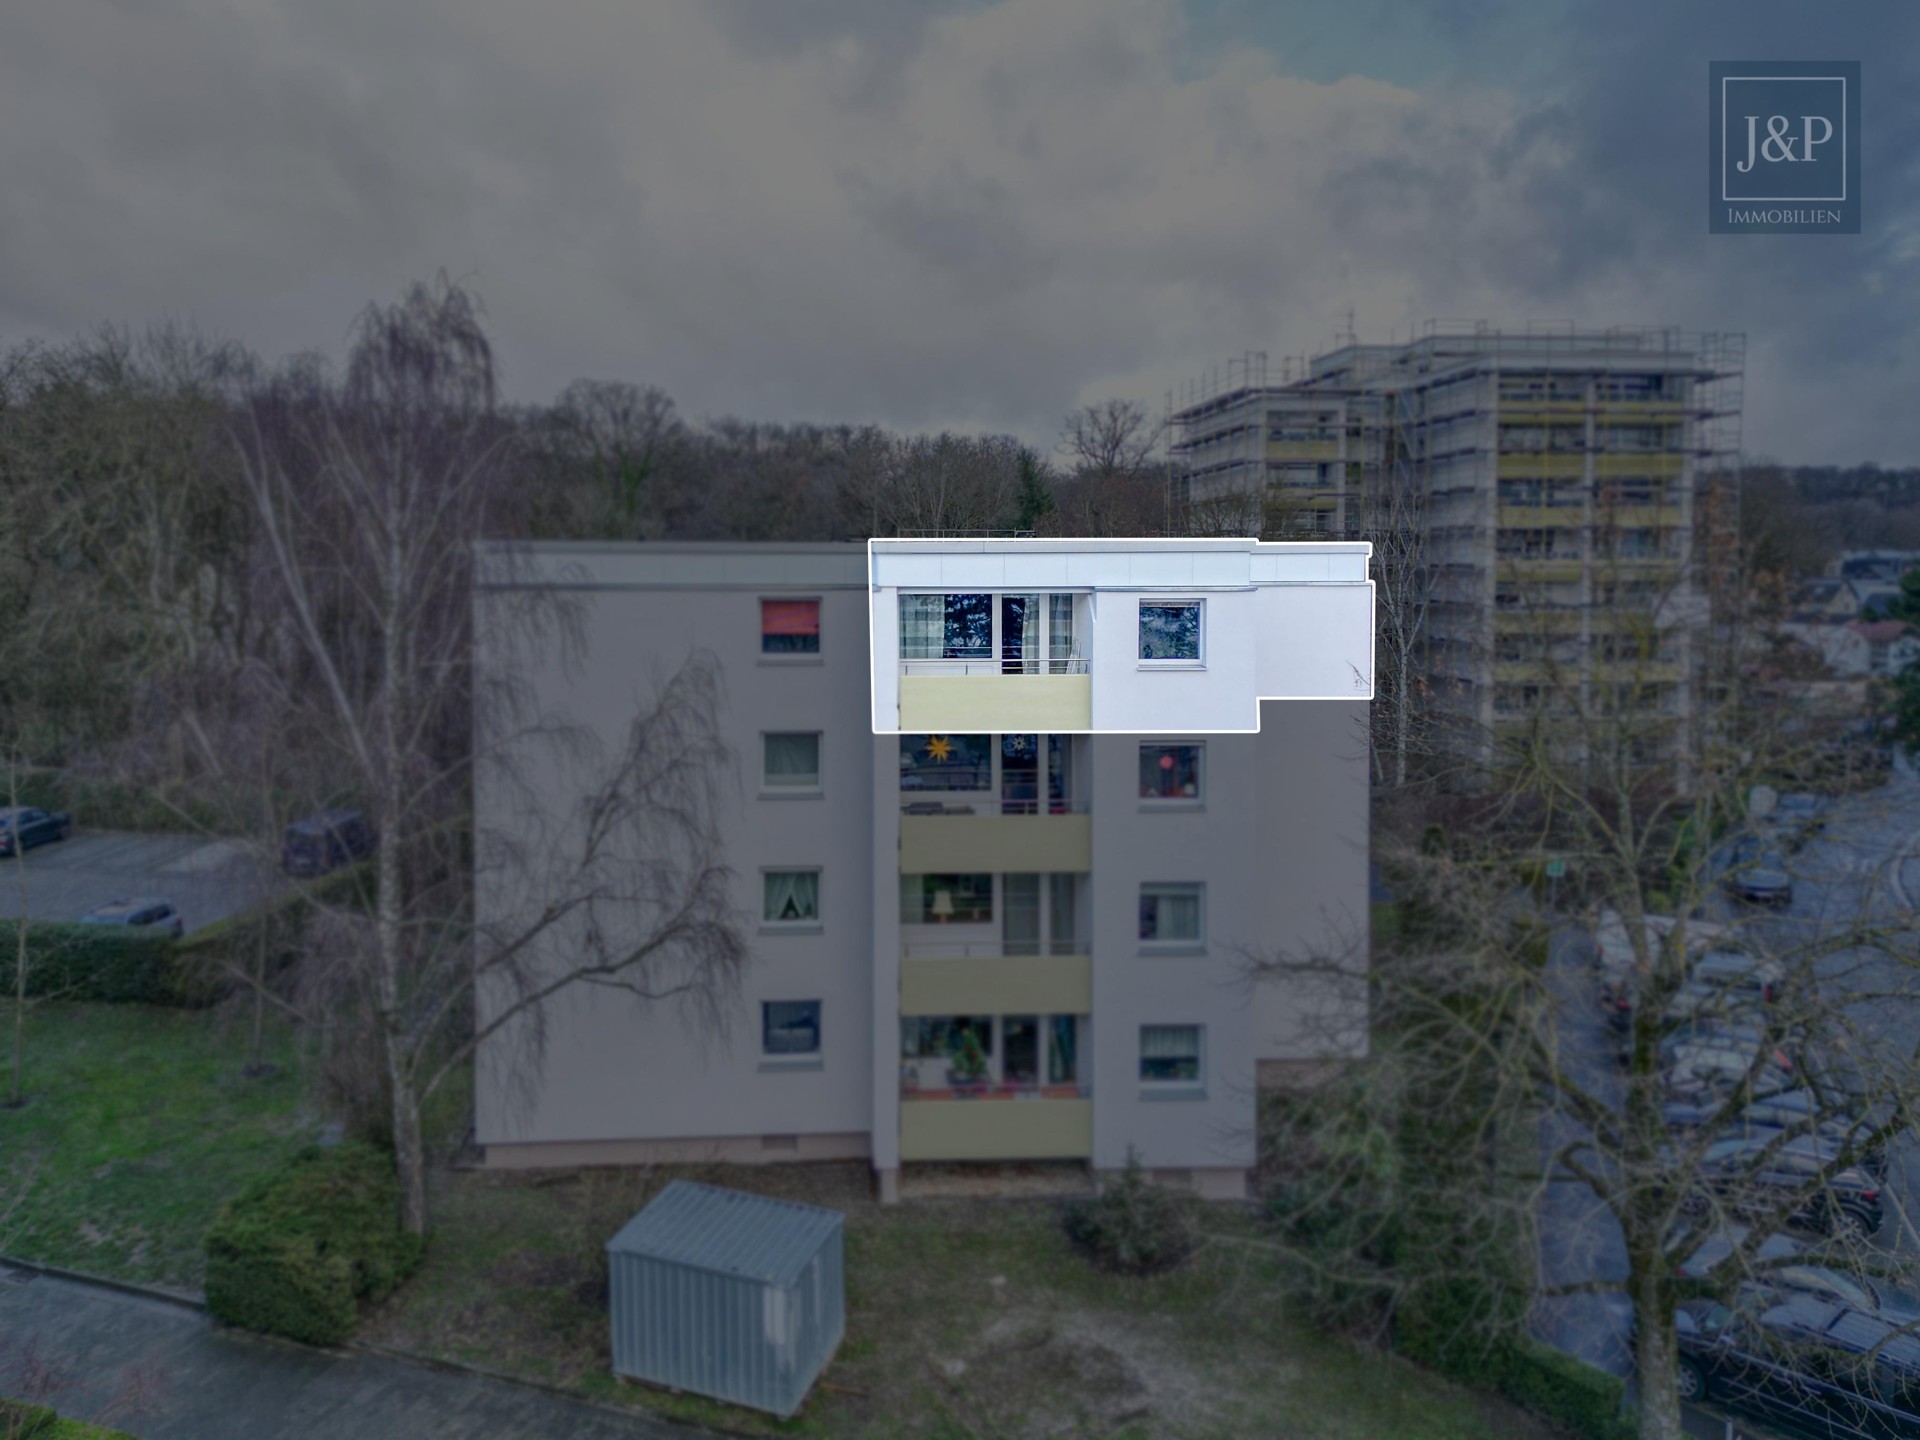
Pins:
x: 1799, y: 518
x: 132, y: 554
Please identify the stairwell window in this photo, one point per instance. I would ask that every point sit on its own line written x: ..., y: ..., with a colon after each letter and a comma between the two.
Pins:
x: 1172, y: 1058
x: 791, y: 899
x: 790, y: 1029
x: 1172, y: 918
x: 789, y: 627
x: 792, y: 762
x: 1170, y: 632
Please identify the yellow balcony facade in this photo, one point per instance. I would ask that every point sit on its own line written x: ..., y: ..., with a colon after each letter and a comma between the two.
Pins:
x: 996, y: 1129
x: 952, y: 844
x: 1537, y: 517
x: 997, y: 985
x: 1542, y: 467
x: 978, y: 704
x: 1303, y: 449
x: 1662, y: 464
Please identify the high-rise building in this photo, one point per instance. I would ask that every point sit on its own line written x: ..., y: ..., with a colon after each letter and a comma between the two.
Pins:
x: 1551, y: 503
x: 1067, y: 922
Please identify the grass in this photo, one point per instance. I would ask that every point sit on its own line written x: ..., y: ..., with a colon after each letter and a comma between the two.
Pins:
x: 137, y: 1125
x: 967, y: 1320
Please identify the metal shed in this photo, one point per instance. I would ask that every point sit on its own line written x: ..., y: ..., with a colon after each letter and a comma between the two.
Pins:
x: 730, y: 1295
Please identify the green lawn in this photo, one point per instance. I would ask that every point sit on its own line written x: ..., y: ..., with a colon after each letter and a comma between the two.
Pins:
x: 137, y: 1125
x: 965, y: 1319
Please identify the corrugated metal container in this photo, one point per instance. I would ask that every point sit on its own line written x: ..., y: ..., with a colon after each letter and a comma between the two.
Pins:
x: 734, y: 1296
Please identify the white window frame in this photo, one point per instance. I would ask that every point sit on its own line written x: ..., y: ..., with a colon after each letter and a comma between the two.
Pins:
x: 1195, y: 946
x: 1194, y: 1089
x: 770, y: 790
x: 1200, y: 631
x: 1195, y: 801
x: 794, y: 927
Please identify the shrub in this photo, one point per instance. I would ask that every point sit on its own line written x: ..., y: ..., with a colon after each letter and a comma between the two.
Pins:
x: 1131, y: 1226
x: 1584, y: 1399
x: 299, y: 1251
x: 21, y: 1421
x: 94, y: 962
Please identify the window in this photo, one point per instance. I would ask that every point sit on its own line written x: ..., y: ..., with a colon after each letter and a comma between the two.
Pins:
x: 946, y: 627
x: 1170, y: 631
x: 937, y: 1037
x: 790, y: 1027
x: 1170, y: 1054
x: 1169, y: 772
x: 790, y: 627
x: 792, y: 897
x: 946, y: 899
x: 946, y: 762
x: 792, y: 761
x: 1170, y: 915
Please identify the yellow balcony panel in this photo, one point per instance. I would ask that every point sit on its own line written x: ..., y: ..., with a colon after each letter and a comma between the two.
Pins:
x: 1670, y: 411
x: 1662, y: 464
x: 997, y: 985
x: 1007, y: 1129
x: 976, y: 704
x: 1303, y: 450
x: 1638, y: 517
x: 976, y: 844
x: 1561, y: 411
x: 1539, y: 571
x: 1537, y: 517
x: 1542, y: 467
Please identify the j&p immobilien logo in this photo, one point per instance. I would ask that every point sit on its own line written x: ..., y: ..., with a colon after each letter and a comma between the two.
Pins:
x: 1784, y: 147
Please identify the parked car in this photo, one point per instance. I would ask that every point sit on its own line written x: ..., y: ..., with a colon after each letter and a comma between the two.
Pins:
x: 326, y: 841
x: 1824, y: 1368
x: 1777, y: 1272
x: 1711, y: 1055
x: 1749, y: 1173
x: 1613, y: 954
x: 1796, y: 819
x: 31, y: 827
x: 1796, y: 1111
x: 142, y: 912
x: 1757, y: 874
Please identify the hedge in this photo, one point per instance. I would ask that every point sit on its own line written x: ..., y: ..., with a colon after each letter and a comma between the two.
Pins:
x: 21, y: 1421
x: 1586, y: 1400
x: 300, y: 1250
x: 117, y: 964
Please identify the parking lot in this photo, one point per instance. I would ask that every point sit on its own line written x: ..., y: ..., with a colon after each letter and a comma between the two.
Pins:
x: 206, y: 879
x: 1863, y: 869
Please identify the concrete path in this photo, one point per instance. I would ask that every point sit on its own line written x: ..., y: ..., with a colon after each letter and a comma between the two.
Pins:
x: 210, y: 1383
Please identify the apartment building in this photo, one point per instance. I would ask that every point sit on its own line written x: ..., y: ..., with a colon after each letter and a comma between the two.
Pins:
x: 1549, y: 488
x: 1039, y: 941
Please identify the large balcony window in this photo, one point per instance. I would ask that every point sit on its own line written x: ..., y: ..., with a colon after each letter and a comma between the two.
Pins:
x: 1008, y: 774
x: 957, y: 917
x: 989, y: 634
x: 992, y: 1057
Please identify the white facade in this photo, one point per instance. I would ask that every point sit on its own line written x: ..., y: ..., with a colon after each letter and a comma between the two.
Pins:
x: 967, y: 631
x: 1090, y: 906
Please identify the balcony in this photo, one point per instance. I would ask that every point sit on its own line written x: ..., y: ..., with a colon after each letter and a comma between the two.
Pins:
x: 994, y: 979
x: 997, y: 1122
x: 968, y: 691
x: 958, y: 834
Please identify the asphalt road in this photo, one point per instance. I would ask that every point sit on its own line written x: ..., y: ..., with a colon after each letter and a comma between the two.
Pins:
x: 207, y: 880
x: 1864, y: 870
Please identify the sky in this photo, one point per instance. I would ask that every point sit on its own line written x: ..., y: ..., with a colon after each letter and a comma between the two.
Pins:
x: 967, y: 214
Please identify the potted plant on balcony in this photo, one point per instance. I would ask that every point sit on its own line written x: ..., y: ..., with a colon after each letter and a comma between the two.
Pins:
x: 968, y: 1066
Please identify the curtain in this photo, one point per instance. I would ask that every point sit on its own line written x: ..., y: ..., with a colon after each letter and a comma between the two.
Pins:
x: 1169, y: 1042
x: 1060, y: 638
x: 1020, y: 922
x: 923, y: 620
x: 1063, y: 1067
x: 1030, y: 634
x: 1062, y: 922
x: 793, y: 895
x: 793, y: 759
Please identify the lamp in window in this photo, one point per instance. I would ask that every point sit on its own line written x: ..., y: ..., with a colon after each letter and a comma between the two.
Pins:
x: 943, y: 905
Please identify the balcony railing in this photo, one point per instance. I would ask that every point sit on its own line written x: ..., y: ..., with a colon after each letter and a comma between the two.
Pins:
x: 990, y: 949
x: 921, y: 803
x: 984, y: 1089
x: 982, y: 661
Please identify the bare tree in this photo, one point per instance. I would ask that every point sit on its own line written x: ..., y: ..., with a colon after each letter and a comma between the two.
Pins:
x: 1639, y: 1142
x: 368, y: 496
x: 1111, y: 437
